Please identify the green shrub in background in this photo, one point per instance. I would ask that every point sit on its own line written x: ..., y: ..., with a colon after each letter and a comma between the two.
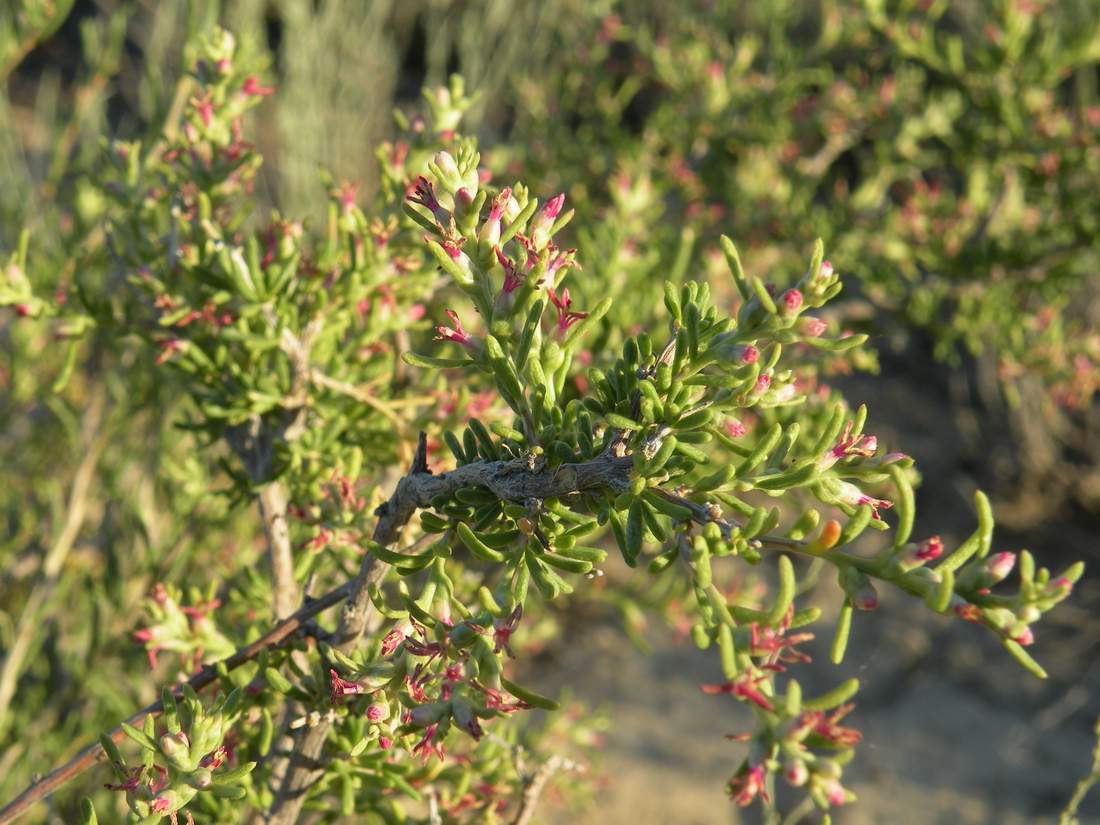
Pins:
x: 945, y: 151
x: 172, y: 356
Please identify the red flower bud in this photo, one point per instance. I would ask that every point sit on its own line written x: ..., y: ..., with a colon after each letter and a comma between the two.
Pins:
x: 812, y: 327
x: 929, y: 549
x: 1001, y: 565
x: 790, y: 302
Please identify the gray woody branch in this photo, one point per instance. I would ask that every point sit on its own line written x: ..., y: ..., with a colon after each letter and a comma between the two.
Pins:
x: 516, y: 480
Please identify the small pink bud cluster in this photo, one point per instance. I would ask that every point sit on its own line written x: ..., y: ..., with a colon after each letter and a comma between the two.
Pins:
x: 790, y: 302
x: 981, y: 577
x: 812, y: 327
x: 490, y: 230
x: 1000, y: 565
x: 734, y: 428
x: 539, y: 231
x: 914, y: 555
x: 762, y: 385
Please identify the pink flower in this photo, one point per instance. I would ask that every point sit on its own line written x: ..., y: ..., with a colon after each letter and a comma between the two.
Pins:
x: 929, y: 549
x: 847, y: 447
x: 747, y: 784
x: 426, y: 746
x: 391, y: 641
x: 423, y: 194
x: 252, y: 87
x: 969, y: 612
x: 453, y: 673
x: 775, y: 646
x: 345, y: 195
x: 416, y: 689
x: 147, y: 636
x: 215, y: 758
x: 168, y: 349
x: 160, y: 805
x: 463, y: 199
x: 499, y: 204
x: 204, y: 106
x: 893, y: 458
x: 827, y: 727
x: 320, y: 541
x: 748, y: 354
x: 851, y: 495
x: 418, y: 648
x: 513, y: 279
x: 566, y: 318
x: 133, y: 779
x: 743, y: 687
x: 200, y: 611
x: 734, y: 428
x: 452, y: 245
x: 457, y: 334
x: 339, y: 688
x: 502, y: 631
x: 560, y: 260
x: 375, y: 714
x: 494, y: 699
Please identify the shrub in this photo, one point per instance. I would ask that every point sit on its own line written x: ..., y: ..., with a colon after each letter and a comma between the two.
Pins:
x: 447, y: 495
x: 942, y: 150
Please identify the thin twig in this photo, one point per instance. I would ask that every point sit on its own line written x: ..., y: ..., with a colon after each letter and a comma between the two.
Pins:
x: 1069, y: 814
x: 358, y: 393
x: 534, y: 786
x: 799, y: 812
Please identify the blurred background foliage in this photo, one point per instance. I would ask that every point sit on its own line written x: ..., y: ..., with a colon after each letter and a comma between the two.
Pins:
x: 948, y: 153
